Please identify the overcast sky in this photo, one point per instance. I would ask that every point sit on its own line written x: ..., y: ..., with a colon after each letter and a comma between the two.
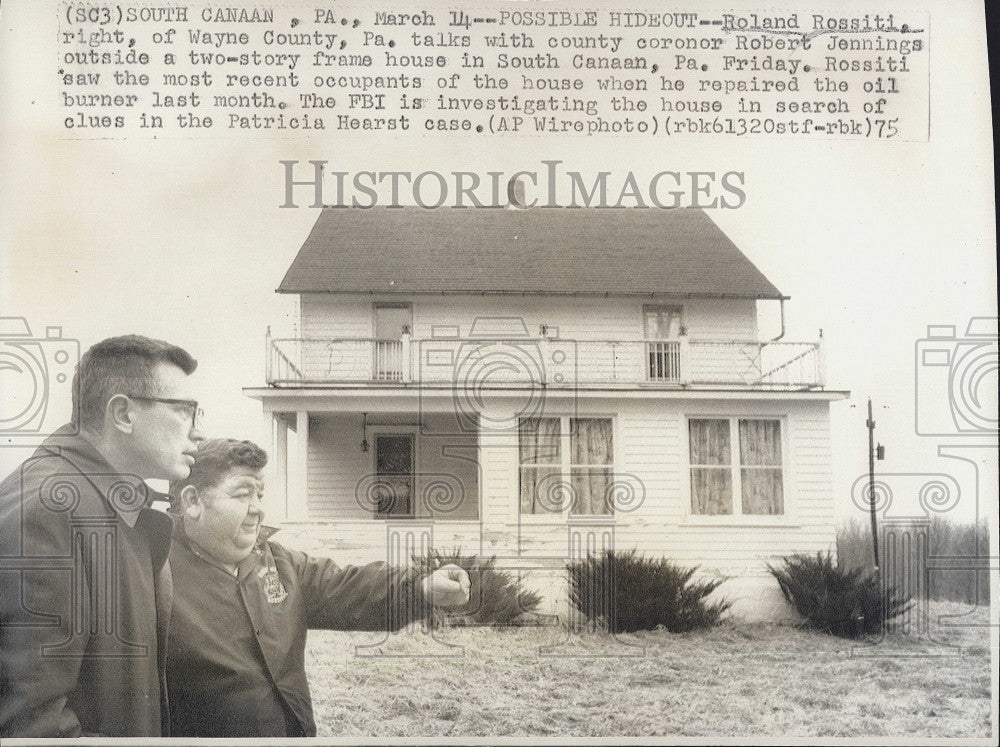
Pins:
x: 184, y: 240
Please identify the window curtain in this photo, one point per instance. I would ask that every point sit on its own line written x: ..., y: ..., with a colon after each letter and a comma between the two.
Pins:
x: 760, y: 461
x: 663, y: 322
x: 711, y: 472
x: 539, y: 445
x: 592, y: 457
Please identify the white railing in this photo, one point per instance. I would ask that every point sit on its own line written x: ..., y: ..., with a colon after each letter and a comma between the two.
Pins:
x: 388, y: 360
x: 764, y: 364
x: 664, y: 360
x: 529, y: 361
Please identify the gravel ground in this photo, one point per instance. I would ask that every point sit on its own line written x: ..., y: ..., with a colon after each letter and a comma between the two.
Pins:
x: 737, y: 681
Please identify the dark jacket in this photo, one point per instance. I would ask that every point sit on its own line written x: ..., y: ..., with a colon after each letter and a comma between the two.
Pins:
x: 84, y: 598
x: 236, y: 660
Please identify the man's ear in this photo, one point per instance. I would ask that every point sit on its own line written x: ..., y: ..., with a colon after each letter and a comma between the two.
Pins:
x: 191, y: 503
x: 119, y: 413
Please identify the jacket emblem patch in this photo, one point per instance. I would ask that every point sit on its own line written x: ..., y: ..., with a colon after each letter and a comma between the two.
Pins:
x: 273, y: 589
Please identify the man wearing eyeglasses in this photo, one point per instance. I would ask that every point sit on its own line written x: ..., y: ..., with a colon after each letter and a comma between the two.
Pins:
x: 85, y: 587
x: 243, y: 604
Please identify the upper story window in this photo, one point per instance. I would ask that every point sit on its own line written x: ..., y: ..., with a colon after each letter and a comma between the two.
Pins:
x: 662, y: 327
x: 566, y: 466
x: 391, y: 321
x: 736, y: 466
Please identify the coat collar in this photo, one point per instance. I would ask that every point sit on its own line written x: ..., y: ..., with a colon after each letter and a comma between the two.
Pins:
x: 127, y: 494
x: 266, y: 532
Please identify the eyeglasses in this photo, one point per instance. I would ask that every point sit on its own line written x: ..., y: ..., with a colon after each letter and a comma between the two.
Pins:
x: 188, y: 404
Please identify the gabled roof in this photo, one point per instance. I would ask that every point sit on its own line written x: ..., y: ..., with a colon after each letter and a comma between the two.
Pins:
x: 538, y: 251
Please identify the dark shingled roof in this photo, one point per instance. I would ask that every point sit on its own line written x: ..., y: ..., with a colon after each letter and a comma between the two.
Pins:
x: 539, y: 250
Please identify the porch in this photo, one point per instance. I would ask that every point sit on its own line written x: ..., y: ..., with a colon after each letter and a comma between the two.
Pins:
x: 384, y: 485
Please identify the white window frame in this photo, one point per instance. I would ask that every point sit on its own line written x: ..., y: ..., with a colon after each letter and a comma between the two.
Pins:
x: 789, y: 515
x: 565, y: 467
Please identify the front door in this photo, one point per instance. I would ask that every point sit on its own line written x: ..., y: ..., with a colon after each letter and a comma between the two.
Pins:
x: 663, y: 328
x: 394, y: 470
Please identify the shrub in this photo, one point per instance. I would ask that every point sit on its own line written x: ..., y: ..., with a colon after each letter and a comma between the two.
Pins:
x: 946, y: 539
x: 845, y: 602
x: 624, y: 593
x: 495, y: 597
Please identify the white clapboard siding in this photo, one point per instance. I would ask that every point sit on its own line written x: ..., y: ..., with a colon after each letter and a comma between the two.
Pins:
x: 652, y: 447
x: 334, y: 318
x: 360, y: 543
x: 650, y: 443
x: 584, y: 318
x: 336, y: 467
x: 650, y: 452
x: 596, y: 339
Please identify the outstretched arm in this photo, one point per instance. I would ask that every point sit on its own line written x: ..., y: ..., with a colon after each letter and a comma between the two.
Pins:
x: 374, y: 596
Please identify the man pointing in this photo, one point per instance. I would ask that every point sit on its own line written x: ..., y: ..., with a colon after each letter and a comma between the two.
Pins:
x: 242, y: 604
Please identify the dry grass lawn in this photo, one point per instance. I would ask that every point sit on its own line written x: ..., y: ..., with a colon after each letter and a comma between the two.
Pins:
x: 739, y: 680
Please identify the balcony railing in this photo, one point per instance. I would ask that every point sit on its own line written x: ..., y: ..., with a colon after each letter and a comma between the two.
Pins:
x: 529, y: 361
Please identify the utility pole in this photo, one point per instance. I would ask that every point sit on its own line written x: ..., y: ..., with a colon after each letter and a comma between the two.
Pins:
x: 873, y: 451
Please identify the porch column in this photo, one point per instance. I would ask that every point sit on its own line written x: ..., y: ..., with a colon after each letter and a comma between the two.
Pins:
x: 274, y: 506
x: 406, y: 345
x: 821, y: 361
x: 497, y: 443
x: 298, y: 486
x: 279, y: 455
x: 684, y: 353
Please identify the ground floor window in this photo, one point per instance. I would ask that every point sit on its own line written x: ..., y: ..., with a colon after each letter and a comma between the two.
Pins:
x: 736, y: 457
x: 566, y: 465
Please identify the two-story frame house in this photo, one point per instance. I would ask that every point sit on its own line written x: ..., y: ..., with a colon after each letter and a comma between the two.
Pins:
x: 537, y: 383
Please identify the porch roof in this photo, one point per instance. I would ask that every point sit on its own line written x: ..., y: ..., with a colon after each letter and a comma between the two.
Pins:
x: 379, y: 397
x: 535, y: 251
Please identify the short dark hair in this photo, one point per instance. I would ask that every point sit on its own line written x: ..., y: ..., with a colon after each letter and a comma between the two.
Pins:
x: 213, y: 460
x: 120, y: 365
